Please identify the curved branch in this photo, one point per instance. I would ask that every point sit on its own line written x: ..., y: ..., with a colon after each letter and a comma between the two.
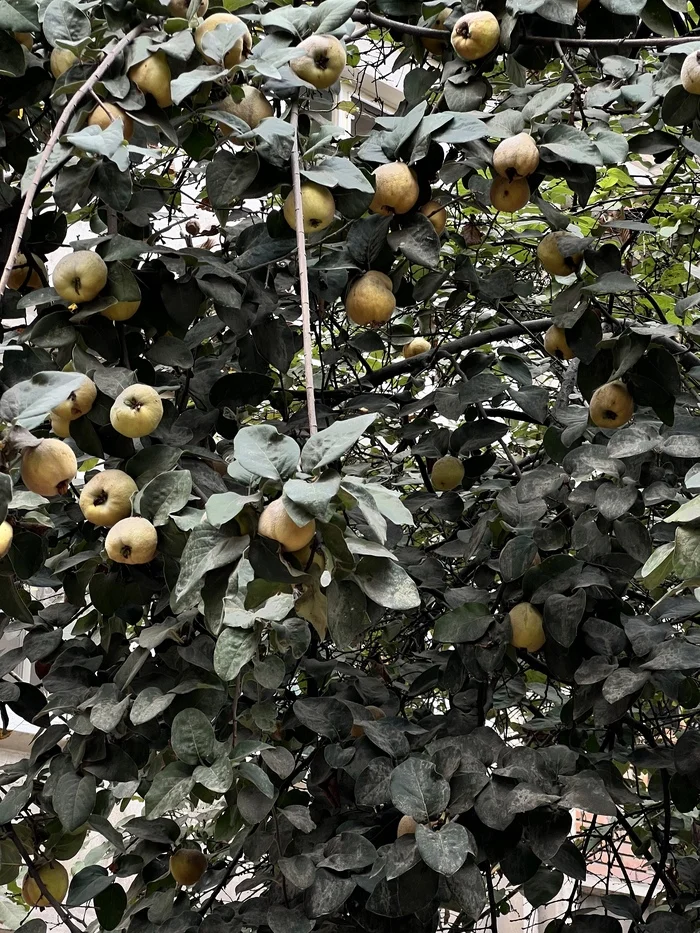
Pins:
x: 61, y: 125
x: 425, y: 32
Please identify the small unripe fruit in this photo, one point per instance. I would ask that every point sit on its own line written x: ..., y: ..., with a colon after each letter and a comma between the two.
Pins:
x: 447, y: 473
x: 6, y: 534
x: 611, y: 405
x: 54, y: 878
x: 396, y: 189
x: 275, y: 523
x: 137, y: 411
x: 48, y: 468
x: 415, y: 347
x: 475, y: 35
x: 407, y: 827
x: 105, y: 114
x: 516, y: 157
x: 555, y: 342
x: 187, y: 866
x: 527, y: 626
x: 370, y: 299
x: 509, y: 195
x: 358, y: 729
x: 317, y: 205
x: 240, y: 48
x: 436, y: 214
x: 132, y: 541
x: 80, y: 276
x: 551, y: 257
x: 78, y: 403
x: 61, y: 61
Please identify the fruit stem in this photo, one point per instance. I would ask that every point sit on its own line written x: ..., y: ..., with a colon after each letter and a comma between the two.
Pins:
x: 303, y: 275
x: 58, y: 131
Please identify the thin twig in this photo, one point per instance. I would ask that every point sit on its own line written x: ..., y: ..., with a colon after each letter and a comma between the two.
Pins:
x: 61, y: 125
x: 492, y: 900
x: 303, y: 275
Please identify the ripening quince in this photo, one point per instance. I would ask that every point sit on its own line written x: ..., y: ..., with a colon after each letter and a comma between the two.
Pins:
x: 552, y: 258
x: 370, y: 299
x: 152, y: 76
x: 132, y: 541
x: 60, y: 426
x: 187, y: 866
x: 436, y: 214
x: 61, y: 60
x: 528, y: 630
x: 106, y: 498
x: 6, y: 535
x: 322, y: 62
x: 26, y: 39
x: 407, y: 827
x: 252, y: 109
x: 395, y: 189
x: 611, y: 405
x: 475, y: 35
x: 516, y: 157
x: 276, y: 524
x: 78, y: 403
x: 105, y: 114
x: 447, y: 473
x: 690, y: 73
x: 509, y: 195
x: 435, y: 46
x: 555, y: 342
x: 80, y: 276
x: 54, y: 878
x: 48, y: 468
x: 25, y: 276
x: 415, y: 347
x: 317, y: 204
x: 240, y: 48
x: 137, y: 411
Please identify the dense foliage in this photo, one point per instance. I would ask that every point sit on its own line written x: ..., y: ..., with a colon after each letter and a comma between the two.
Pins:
x: 283, y: 710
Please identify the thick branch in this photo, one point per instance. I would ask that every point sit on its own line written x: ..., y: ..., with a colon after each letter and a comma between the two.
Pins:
x: 425, y: 32
x: 470, y: 342
x: 61, y: 125
x: 653, y: 43
x: 303, y: 276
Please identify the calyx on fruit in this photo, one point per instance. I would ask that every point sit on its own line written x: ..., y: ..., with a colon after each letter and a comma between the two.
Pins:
x: 554, y: 260
x: 395, y: 189
x: 54, y: 877
x: 61, y: 60
x: 528, y: 630
x: 187, y: 866
x: 475, y: 35
x: 407, y: 826
x: 106, y: 498
x: 78, y: 403
x: 370, y: 299
x: 555, y: 342
x: 132, y: 541
x: 516, y: 157
x: 317, y: 204
x: 611, y: 405
x: 252, y: 109
x: 48, y: 468
x: 322, y: 62
x: 416, y: 346
x: 358, y: 730
x: 152, y: 76
x: 509, y: 195
x: 690, y: 73
x: 6, y: 535
x: 436, y: 214
x: 241, y: 46
x: 435, y: 46
x: 136, y: 411
x: 447, y: 473
x: 105, y: 114
x: 276, y: 524
x: 80, y: 277
x: 27, y: 275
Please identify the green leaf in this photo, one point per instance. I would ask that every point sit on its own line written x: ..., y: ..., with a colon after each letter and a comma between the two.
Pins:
x: 313, y: 499
x: 15, y: 799
x: 567, y: 143
x: 169, y: 789
x: 417, y: 790
x: 86, y: 884
x: 64, y: 22
x: 192, y: 737
x: 217, y: 777
x: 330, y: 15
x: 149, y: 703
x: 235, y: 647
x: 387, y: 584
x: 189, y: 81
x: 686, y: 555
x: 223, y: 506
x: 165, y: 495
x: 19, y: 15
x: 444, y: 850
x: 207, y: 548
x: 5, y: 494
x: 28, y: 403
x: 418, y: 241
x: 110, y: 905
x: 467, y: 623
x: 334, y: 171
x: 74, y: 799
x: 331, y: 443
x: 263, y: 451
x: 547, y: 100
x: 229, y: 177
